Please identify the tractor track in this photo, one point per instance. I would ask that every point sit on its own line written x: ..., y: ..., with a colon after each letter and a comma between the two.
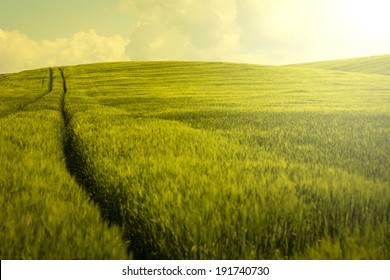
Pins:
x: 80, y: 170
x: 76, y: 163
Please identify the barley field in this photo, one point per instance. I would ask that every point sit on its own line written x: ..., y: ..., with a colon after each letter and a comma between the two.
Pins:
x: 196, y: 160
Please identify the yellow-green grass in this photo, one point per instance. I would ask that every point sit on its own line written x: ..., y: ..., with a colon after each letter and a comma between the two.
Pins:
x: 17, y: 91
x: 231, y: 161
x: 44, y: 213
x: 373, y: 64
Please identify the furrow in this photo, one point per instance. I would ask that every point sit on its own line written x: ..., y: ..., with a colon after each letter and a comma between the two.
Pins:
x: 77, y: 167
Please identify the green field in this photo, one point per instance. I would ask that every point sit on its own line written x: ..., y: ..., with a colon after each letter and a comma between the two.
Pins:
x: 374, y: 65
x: 196, y: 160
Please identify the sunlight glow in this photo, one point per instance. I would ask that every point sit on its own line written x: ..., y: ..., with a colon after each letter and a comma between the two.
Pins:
x: 368, y: 16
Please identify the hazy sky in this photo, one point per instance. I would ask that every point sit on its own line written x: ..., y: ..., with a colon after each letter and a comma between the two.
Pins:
x: 38, y: 33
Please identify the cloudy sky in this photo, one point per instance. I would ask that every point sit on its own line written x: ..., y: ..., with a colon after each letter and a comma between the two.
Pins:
x: 39, y: 33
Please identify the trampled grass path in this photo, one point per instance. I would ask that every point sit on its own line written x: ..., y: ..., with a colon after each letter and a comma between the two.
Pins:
x: 77, y: 166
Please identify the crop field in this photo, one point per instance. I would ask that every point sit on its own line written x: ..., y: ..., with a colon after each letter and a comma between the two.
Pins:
x: 374, y: 65
x: 44, y: 213
x: 196, y: 160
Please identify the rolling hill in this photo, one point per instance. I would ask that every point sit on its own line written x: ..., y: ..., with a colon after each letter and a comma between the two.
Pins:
x: 374, y: 65
x: 195, y: 160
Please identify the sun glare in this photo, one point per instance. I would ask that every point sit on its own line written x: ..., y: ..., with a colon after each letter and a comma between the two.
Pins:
x: 370, y: 16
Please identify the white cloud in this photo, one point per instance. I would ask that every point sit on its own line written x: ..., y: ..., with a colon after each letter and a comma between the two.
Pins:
x: 182, y: 29
x: 18, y: 51
x: 254, y: 31
x: 257, y: 31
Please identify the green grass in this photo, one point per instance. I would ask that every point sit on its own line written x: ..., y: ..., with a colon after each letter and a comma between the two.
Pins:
x: 196, y: 160
x: 15, y: 95
x: 373, y: 64
x: 230, y: 161
x: 45, y: 214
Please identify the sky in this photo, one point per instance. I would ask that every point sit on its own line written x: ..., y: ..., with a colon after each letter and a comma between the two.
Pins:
x: 41, y: 33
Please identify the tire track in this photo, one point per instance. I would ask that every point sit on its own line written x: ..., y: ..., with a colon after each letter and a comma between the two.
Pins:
x: 76, y: 163
x: 137, y: 241
x: 65, y: 116
x: 63, y: 81
x: 79, y: 169
x: 70, y: 160
x: 36, y: 99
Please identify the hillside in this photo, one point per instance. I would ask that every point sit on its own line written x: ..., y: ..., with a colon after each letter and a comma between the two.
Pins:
x: 194, y: 160
x: 374, y: 65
